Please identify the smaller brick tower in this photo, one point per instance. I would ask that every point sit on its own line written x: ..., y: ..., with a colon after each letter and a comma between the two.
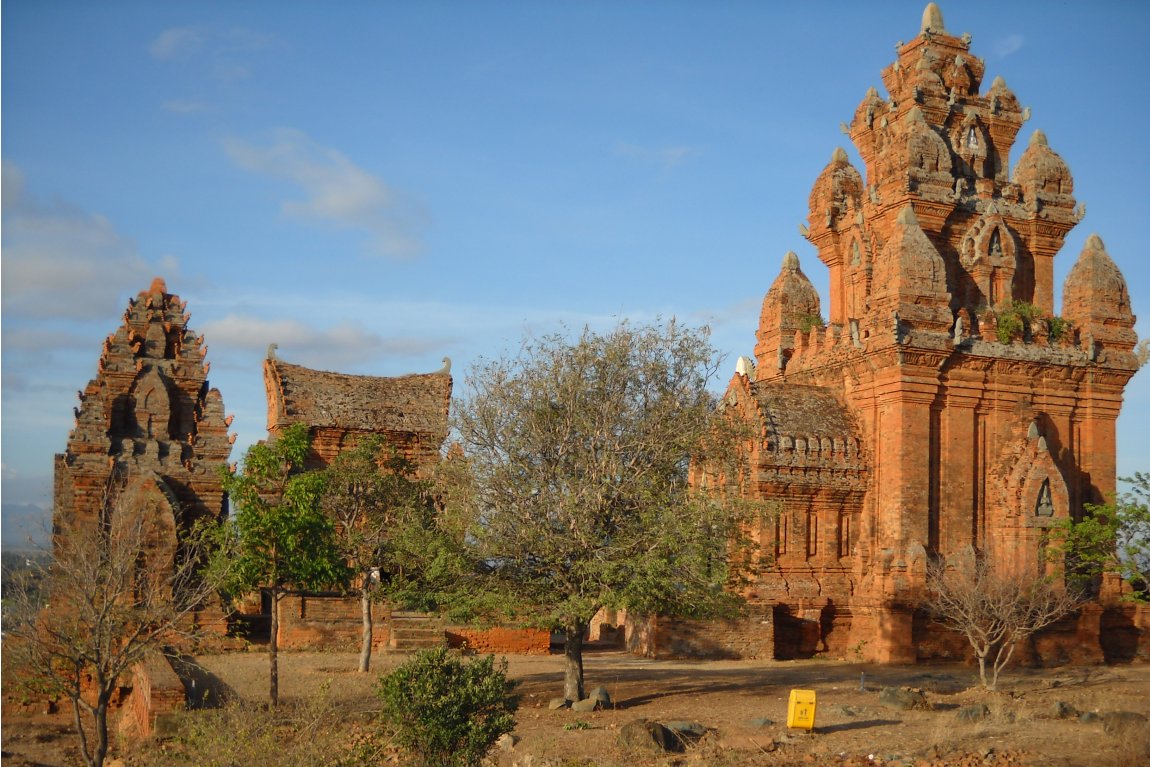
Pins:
x: 148, y: 426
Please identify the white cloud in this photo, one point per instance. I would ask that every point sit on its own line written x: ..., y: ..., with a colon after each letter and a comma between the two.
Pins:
x: 336, y: 347
x: 64, y: 263
x: 1005, y: 46
x: 336, y: 190
x: 666, y: 158
x: 177, y: 42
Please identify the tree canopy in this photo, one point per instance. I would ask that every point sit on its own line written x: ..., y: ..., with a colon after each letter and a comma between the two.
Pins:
x: 278, y: 538
x: 575, y: 470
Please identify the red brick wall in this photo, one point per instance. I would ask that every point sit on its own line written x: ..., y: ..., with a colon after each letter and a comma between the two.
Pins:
x: 505, y: 641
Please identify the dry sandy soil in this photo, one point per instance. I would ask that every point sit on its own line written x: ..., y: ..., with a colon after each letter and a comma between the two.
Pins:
x: 731, y: 699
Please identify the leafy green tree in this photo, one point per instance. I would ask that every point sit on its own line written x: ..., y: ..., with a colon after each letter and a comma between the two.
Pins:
x: 382, y: 513
x: 278, y: 538
x: 448, y: 712
x: 575, y: 468
x: 1110, y: 538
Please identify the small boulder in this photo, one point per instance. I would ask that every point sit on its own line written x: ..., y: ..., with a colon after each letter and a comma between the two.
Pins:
x: 902, y: 698
x: 686, y: 731
x: 600, y: 694
x: 1118, y: 723
x: 506, y: 742
x: 975, y: 713
x: 644, y: 735
x: 586, y: 705
x: 1063, y: 710
x: 759, y: 722
x: 1089, y: 717
x: 557, y: 703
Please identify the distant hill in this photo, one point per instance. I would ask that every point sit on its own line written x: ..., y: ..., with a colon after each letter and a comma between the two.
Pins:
x: 24, y: 527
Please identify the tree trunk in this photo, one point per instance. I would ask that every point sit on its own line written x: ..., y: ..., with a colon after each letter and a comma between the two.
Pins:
x: 573, y: 651
x: 273, y: 650
x: 101, y: 716
x: 78, y: 721
x: 365, y: 609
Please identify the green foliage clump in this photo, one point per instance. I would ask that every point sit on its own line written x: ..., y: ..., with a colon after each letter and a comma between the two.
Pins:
x: 1110, y: 538
x: 1015, y: 320
x: 447, y: 712
x: 1059, y: 327
x: 808, y: 321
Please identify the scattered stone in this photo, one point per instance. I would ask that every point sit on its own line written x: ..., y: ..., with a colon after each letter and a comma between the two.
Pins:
x: 759, y: 722
x: 902, y: 698
x: 1089, y: 717
x: 1063, y: 710
x: 586, y: 705
x: 847, y: 710
x: 600, y: 694
x: 975, y: 713
x: 557, y: 703
x: 644, y: 735
x: 506, y: 742
x: 1118, y: 723
x: 687, y: 732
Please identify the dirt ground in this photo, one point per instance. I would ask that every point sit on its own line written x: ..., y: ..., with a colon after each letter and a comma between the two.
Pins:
x: 743, y: 705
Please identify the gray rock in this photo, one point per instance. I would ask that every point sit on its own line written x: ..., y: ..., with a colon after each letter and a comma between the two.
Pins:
x: 902, y: 699
x: 557, y: 703
x: 506, y: 742
x: 975, y: 713
x: 587, y: 704
x: 759, y: 722
x: 1118, y: 723
x: 600, y: 694
x: 687, y: 732
x: 1089, y: 717
x: 1063, y: 710
x: 644, y: 735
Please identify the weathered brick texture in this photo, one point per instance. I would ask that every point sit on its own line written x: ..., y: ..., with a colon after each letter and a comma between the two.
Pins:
x: 918, y: 421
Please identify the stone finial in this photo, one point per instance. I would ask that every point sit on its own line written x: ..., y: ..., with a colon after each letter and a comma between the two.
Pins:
x: 932, y: 19
x: 997, y: 83
x: 446, y: 369
x: 839, y: 155
x: 272, y: 351
x: 790, y: 261
x: 158, y: 286
x: 1038, y: 139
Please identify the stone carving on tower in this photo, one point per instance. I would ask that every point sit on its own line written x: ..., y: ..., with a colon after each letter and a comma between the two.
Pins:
x: 944, y: 405
x: 150, y: 434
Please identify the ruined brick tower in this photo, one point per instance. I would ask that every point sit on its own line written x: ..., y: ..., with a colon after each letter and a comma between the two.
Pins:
x: 946, y: 403
x: 149, y: 425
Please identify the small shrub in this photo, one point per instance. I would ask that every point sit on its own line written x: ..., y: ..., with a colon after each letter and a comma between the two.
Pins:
x: 447, y: 712
x: 1059, y: 327
x: 578, y: 724
x: 808, y: 321
x: 1014, y: 320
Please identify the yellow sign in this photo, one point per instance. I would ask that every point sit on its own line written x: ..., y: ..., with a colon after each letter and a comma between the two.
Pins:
x: 801, y: 710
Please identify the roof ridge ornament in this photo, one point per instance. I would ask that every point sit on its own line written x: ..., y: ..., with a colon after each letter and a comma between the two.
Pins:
x: 932, y: 20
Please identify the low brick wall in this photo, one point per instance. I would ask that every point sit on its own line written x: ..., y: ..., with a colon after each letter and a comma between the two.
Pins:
x: 156, y: 692
x: 328, y: 622
x: 501, y: 641
x: 661, y: 637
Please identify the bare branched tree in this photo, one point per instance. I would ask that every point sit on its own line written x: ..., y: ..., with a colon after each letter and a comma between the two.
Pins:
x: 105, y: 600
x: 994, y: 611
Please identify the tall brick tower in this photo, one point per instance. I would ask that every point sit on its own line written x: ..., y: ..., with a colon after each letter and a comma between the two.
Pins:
x: 148, y: 428
x: 944, y: 405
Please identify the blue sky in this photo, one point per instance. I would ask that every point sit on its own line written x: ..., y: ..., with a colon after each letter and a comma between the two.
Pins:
x: 377, y: 185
